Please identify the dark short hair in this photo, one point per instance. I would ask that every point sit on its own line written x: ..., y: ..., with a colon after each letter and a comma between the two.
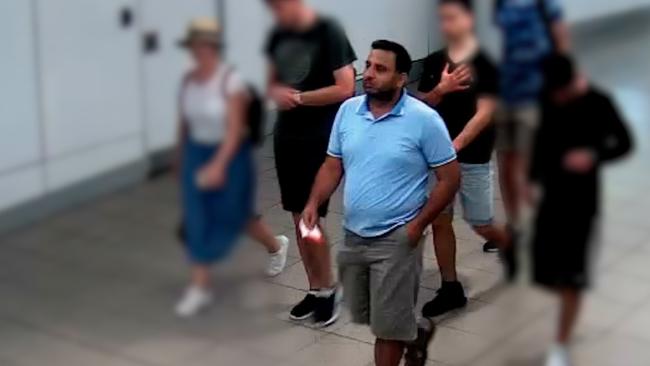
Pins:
x: 559, y: 71
x: 465, y: 4
x: 403, y: 61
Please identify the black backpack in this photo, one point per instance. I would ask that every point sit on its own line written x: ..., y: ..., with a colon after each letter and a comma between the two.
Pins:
x: 255, y: 112
x: 256, y: 117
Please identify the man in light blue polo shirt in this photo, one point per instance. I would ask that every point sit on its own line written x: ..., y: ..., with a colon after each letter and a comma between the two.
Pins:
x: 385, y: 143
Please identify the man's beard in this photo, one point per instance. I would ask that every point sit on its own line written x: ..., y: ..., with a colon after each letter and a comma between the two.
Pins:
x: 383, y: 95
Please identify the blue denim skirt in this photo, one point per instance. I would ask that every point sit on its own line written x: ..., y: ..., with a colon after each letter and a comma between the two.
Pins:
x: 215, y: 219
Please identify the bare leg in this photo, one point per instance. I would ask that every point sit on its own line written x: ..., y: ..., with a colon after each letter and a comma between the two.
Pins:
x: 260, y: 231
x: 496, y: 234
x: 316, y: 259
x: 201, y: 276
x: 304, y: 255
x: 451, y: 294
x: 444, y: 243
x: 388, y: 353
x: 571, y: 301
x: 509, y: 166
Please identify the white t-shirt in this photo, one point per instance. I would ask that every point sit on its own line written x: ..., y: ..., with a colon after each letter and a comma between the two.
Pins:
x: 204, y: 105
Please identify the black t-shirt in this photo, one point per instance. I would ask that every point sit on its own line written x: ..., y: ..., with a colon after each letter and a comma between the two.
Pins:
x: 590, y: 121
x: 458, y: 108
x: 306, y: 61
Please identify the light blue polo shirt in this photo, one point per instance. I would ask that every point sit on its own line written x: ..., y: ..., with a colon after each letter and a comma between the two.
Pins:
x: 387, y: 161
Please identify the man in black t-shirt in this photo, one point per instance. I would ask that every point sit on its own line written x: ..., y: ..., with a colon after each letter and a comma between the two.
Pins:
x: 311, y: 74
x: 580, y: 130
x: 461, y: 83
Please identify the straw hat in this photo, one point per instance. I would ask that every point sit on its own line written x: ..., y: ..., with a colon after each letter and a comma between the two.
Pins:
x: 202, y: 30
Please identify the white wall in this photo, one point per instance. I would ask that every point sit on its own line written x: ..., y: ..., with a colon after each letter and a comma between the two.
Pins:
x: 89, y: 68
x: 247, y: 23
x: 583, y: 10
x: 163, y: 68
x: 405, y: 21
x: 19, y: 128
x: 576, y: 11
x: 78, y: 98
x: 20, y: 142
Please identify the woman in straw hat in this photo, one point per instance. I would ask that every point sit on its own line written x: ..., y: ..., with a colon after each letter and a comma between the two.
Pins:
x: 216, y: 166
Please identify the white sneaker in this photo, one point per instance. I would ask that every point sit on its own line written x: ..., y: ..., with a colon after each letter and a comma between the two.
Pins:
x: 194, y: 300
x: 558, y: 356
x: 277, y: 261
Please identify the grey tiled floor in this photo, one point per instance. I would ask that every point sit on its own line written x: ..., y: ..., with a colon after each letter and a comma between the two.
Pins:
x: 95, y: 286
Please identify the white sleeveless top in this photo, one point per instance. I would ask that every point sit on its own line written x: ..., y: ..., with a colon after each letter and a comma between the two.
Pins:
x: 204, y: 105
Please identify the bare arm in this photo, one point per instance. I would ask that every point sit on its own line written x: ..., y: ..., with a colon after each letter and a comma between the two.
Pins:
x: 328, y: 179
x: 234, y: 131
x: 448, y: 177
x: 484, y: 115
x: 340, y: 91
x: 432, y: 98
x: 561, y: 36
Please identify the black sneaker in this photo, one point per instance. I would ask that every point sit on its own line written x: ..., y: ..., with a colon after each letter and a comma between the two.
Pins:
x: 451, y: 296
x: 305, y: 308
x: 490, y: 247
x: 417, y: 351
x: 327, y: 310
x: 509, y: 259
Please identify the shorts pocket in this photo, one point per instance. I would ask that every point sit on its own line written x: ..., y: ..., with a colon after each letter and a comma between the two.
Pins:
x: 404, y: 240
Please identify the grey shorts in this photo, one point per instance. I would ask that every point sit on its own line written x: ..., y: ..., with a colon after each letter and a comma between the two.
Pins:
x: 476, y: 194
x: 516, y: 127
x: 380, y: 278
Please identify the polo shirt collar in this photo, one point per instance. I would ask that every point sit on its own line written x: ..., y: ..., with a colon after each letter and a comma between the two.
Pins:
x: 397, y: 111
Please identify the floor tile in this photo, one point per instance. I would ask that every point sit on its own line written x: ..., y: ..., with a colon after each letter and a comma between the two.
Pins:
x: 455, y: 347
x: 335, y: 350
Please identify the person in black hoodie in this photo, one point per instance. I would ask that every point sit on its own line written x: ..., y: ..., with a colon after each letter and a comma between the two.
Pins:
x: 580, y: 130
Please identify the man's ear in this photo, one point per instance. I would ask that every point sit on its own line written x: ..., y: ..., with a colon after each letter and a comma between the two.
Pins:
x: 404, y: 79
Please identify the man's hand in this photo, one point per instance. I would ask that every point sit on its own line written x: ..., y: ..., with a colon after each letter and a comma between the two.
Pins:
x: 211, y: 177
x: 456, y: 80
x: 286, y: 98
x: 414, y: 232
x: 310, y: 216
x: 580, y: 161
x: 458, y: 145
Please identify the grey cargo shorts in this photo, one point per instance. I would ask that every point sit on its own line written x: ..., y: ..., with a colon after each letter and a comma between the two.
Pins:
x: 381, y: 278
